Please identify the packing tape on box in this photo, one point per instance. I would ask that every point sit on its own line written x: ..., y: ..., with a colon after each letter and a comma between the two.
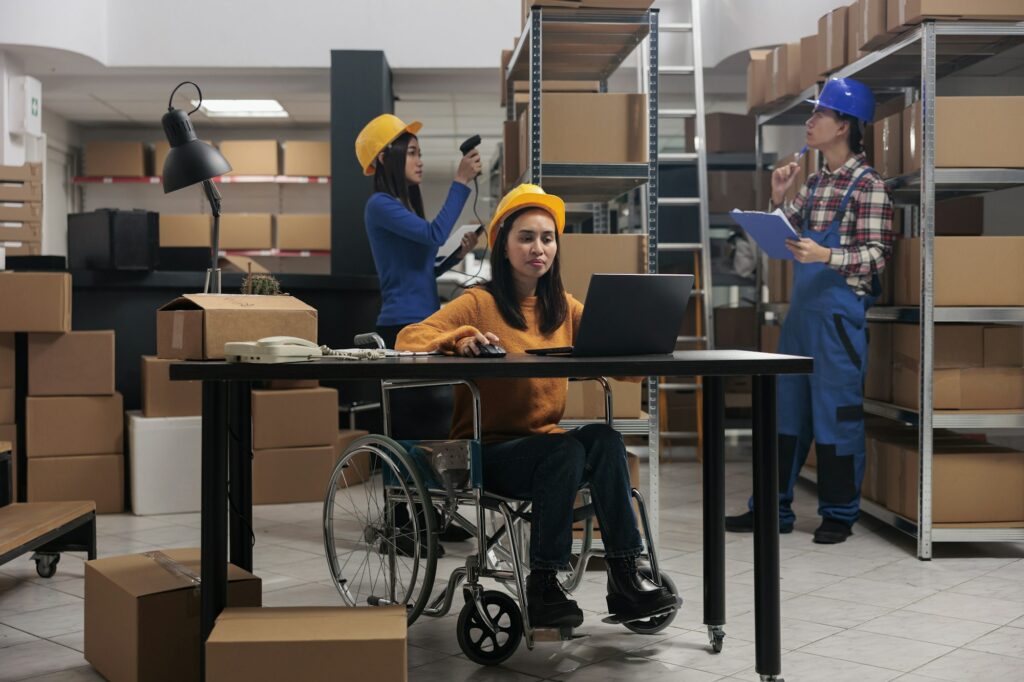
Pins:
x: 178, y: 330
x: 828, y: 40
x: 174, y: 568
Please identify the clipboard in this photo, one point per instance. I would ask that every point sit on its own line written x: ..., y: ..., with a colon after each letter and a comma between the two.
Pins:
x: 769, y: 230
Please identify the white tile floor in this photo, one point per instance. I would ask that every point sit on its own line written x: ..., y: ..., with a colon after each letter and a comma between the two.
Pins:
x: 865, y: 610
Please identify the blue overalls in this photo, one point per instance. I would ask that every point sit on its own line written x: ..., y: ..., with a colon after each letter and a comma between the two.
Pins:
x: 826, y: 321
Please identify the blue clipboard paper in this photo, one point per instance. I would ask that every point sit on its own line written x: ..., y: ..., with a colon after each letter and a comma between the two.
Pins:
x: 769, y: 230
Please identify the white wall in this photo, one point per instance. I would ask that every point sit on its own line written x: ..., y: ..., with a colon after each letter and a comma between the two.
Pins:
x: 61, y: 138
x: 12, y: 148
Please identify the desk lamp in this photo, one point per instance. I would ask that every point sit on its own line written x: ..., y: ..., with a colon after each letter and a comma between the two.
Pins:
x: 190, y: 161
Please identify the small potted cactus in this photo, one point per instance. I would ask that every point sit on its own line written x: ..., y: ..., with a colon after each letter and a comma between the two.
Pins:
x: 261, y: 284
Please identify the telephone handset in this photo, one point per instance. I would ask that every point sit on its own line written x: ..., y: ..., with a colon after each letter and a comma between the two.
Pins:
x: 272, y: 349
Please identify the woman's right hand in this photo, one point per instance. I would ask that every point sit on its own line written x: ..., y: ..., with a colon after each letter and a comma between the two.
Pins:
x: 469, y: 167
x: 469, y: 346
x: 782, y: 180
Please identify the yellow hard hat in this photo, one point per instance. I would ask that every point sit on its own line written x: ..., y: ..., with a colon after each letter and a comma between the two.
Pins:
x: 526, y: 196
x: 377, y: 135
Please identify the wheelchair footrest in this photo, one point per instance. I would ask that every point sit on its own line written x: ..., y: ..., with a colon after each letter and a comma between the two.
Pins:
x: 555, y: 635
x: 617, y: 620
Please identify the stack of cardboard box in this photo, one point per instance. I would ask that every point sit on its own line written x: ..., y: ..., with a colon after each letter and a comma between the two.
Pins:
x: 165, y: 440
x: 21, y: 209
x: 74, y: 420
x: 8, y: 429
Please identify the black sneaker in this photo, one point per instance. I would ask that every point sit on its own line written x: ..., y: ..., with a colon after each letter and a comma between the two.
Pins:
x: 632, y: 596
x: 744, y: 523
x: 832, y: 532
x: 454, y: 533
x: 547, y: 603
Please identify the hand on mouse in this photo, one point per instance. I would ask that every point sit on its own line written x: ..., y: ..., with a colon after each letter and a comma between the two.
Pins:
x: 469, y: 346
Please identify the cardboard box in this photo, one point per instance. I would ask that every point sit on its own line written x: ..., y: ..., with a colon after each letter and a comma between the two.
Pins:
x: 99, y: 478
x: 115, y: 159
x: 832, y: 40
x: 162, y: 397
x: 971, y: 483
x: 963, y: 216
x: 723, y: 133
x: 28, y: 231
x: 585, y: 400
x: 956, y: 346
x: 6, y: 360
x: 142, y: 614
x: 186, y: 230
x: 572, y: 121
x: 246, y: 231
x: 313, y: 264
x: 878, y: 384
x: 959, y: 143
x: 635, y: 5
x: 976, y: 388
x: 729, y: 189
x: 511, y: 169
x: 292, y: 474
x: 770, y: 334
x: 21, y: 248
x: 779, y: 280
x: 968, y: 271
x: 21, y: 212
x: 873, y: 32
x: 1004, y: 346
x: 196, y: 326
x: 310, y: 232
x: 888, y: 146
x: 307, y: 157
x: 25, y: 173
x: 904, y: 13
x: 250, y: 157
x: 359, y: 470
x: 6, y: 405
x: 784, y: 72
x: 311, y: 643
x: 9, y: 434
x: 35, y: 301
x: 757, y: 80
x: 679, y: 412
x: 736, y: 328
x: 301, y: 418
x: 74, y: 425
x: 809, y: 73
x: 75, y: 363
x: 166, y: 457
x: 21, y: 191
x: 854, y: 26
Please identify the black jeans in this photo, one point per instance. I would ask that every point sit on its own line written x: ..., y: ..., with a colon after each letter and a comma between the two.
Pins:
x: 549, y: 470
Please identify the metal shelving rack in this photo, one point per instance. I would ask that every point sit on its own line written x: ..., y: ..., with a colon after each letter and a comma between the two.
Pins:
x: 916, y: 61
x: 590, y: 45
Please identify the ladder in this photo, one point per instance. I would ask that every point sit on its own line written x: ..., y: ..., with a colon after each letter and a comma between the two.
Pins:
x: 673, y: 78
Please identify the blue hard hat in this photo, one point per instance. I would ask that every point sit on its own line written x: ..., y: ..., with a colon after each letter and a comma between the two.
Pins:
x: 847, y: 96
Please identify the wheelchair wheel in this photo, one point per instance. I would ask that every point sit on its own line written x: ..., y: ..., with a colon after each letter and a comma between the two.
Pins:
x: 374, y: 561
x: 650, y: 626
x: 481, y: 645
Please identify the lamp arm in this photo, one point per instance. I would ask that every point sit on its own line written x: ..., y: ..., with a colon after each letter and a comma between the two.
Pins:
x: 213, y: 196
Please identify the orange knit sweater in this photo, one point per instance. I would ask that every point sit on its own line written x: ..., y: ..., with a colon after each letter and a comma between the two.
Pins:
x: 510, y: 408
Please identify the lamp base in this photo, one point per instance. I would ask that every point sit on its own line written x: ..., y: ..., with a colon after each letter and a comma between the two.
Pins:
x: 212, y: 278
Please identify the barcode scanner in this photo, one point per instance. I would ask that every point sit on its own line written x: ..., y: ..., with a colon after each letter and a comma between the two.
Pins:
x: 466, y: 147
x: 469, y: 145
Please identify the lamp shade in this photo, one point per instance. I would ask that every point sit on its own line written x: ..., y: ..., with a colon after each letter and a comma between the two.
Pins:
x: 189, y: 160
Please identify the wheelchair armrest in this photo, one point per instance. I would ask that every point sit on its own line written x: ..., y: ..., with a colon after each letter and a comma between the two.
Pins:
x: 389, y: 385
x: 608, y: 411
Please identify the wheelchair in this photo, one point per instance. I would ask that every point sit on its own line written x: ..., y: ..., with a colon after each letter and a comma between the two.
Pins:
x: 375, y: 561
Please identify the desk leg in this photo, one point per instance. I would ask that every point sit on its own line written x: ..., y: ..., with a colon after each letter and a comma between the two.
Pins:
x: 214, y: 542
x: 240, y: 473
x: 714, y: 508
x: 767, y: 613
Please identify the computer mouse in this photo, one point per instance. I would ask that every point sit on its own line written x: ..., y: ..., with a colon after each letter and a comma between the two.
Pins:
x: 491, y: 350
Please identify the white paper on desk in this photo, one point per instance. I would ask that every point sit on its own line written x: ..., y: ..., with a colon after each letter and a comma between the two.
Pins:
x: 453, y: 242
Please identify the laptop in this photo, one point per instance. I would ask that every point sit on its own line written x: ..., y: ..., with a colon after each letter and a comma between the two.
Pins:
x: 629, y: 315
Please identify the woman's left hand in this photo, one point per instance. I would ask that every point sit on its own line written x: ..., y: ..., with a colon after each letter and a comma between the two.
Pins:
x: 808, y: 251
x: 469, y: 241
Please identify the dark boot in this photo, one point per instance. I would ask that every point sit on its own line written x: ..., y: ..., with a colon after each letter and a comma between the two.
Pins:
x: 832, y: 532
x: 547, y: 603
x: 631, y: 595
x: 744, y: 523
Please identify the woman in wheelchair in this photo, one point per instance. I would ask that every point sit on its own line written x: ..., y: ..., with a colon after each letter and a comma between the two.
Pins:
x: 525, y: 453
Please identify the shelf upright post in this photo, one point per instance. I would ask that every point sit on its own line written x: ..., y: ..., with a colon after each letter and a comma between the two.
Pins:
x: 650, y: 192
x: 927, y: 329
x: 535, y: 95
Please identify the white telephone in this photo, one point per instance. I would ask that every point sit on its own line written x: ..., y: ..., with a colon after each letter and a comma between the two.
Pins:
x: 272, y: 349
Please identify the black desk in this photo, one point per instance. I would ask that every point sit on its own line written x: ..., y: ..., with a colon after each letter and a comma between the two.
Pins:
x: 226, y: 410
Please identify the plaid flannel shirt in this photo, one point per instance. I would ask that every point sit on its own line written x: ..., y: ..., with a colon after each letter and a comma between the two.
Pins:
x: 865, y: 233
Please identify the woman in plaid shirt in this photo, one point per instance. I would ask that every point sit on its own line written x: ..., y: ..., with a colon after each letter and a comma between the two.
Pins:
x: 845, y: 216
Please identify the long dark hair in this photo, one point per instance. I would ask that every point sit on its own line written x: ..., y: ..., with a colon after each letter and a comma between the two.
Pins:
x: 389, y: 176
x: 856, y: 138
x: 551, y: 302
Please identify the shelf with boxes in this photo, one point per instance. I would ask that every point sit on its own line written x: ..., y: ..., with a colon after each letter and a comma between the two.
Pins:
x: 269, y: 209
x: 946, y: 354
x: 21, y: 209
